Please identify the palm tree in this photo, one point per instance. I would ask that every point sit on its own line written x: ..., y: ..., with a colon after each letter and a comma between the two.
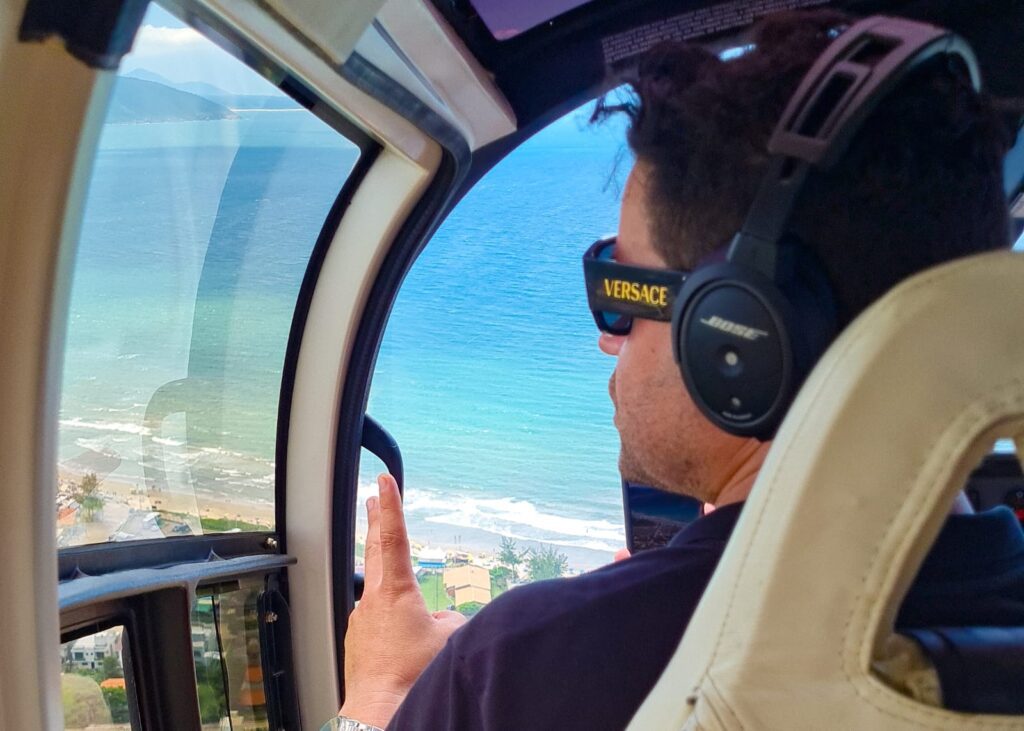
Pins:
x: 87, y: 496
x: 547, y: 563
x: 509, y: 555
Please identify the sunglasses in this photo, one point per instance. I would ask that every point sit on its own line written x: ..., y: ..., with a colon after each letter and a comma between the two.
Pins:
x: 618, y: 292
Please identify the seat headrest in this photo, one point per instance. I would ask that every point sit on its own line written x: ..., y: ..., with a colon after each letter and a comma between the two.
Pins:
x: 853, y: 493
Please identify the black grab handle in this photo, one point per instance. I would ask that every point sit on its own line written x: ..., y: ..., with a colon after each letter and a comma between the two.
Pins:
x: 377, y: 439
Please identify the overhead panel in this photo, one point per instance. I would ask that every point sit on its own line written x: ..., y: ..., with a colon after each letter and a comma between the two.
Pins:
x: 333, y: 27
x: 624, y: 46
x: 448, y: 78
x: 508, y: 19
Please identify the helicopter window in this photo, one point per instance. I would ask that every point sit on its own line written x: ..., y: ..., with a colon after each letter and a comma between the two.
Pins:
x: 94, y: 691
x: 208, y: 191
x: 228, y: 658
x: 490, y: 379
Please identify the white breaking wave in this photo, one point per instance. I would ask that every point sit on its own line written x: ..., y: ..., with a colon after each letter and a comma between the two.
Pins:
x: 110, y: 426
x: 515, y: 518
x: 97, y: 444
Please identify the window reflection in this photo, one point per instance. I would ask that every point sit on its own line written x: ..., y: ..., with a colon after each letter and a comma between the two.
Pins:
x: 94, y: 691
x: 209, y: 189
x: 228, y: 659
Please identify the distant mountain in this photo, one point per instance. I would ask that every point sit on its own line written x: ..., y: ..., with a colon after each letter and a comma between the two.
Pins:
x: 137, y: 100
x: 216, y: 94
x: 255, y: 101
x: 147, y: 75
x: 201, y: 88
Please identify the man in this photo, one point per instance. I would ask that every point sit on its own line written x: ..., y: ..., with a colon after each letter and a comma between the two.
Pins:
x: 921, y: 184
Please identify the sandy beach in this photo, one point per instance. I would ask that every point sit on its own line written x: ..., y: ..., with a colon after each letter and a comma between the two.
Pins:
x: 126, y: 502
x: 124, y: 499
x: 482, y: 545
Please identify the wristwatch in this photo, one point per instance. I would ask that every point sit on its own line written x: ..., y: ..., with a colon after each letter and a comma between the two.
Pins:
x: 342, y: 723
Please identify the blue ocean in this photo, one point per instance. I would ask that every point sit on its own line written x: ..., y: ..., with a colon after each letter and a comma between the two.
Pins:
x: 195, y: 239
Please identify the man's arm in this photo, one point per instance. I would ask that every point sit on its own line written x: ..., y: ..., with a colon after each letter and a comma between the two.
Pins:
x: 391, y: 636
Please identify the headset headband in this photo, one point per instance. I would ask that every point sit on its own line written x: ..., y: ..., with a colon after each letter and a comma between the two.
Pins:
x: 839, y: 92
x: 746, y: 332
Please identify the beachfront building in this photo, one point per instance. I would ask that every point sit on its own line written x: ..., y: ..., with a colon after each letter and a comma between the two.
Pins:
x: 468, y: 583
x: 204, y: 642
x: 432, y: 559
x: 87, y: 653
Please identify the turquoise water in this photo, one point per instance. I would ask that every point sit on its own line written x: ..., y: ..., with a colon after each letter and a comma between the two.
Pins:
x: 195, y: 240
x: 489, y: 375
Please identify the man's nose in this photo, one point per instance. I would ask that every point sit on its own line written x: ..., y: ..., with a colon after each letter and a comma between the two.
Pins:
x: 610, y: 344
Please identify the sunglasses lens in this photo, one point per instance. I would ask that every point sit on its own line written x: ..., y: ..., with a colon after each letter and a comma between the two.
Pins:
x: 609, y: 322
x: 614, y: 323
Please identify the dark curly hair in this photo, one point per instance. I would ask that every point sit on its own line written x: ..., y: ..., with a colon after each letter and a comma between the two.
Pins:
x: 920, y: 184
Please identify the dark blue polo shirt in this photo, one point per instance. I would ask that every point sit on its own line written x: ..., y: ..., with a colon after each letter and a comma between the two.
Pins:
x: 583, y: 652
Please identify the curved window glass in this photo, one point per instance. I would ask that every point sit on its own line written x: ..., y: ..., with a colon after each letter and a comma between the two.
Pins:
x: 208, y: 192
x: 490, y: 379
x: 94, y: 689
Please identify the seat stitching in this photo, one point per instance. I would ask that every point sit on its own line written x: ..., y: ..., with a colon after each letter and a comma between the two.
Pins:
x: 856, y: 337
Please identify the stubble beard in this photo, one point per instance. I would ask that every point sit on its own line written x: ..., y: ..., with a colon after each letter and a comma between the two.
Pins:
x: 684, y: 476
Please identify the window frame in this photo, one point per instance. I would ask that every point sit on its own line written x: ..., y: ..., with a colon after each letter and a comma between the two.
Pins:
x: 126, y: 583
x: 103, y: 617
x: 460, y: 171
x: 440, y: 197
x: 155, y: 609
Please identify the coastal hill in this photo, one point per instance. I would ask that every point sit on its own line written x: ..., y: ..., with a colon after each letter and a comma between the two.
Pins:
x: 136, y: 100
x: 216, y: 94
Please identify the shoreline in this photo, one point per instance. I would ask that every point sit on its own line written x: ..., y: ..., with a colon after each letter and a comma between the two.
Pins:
x: 123, y: 497
x: 477, y: 540
x: 125, y: 502
x: 483, y: 546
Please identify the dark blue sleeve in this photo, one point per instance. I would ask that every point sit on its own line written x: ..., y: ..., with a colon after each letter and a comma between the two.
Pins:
x: 442, y: 698
x: 565, y: 653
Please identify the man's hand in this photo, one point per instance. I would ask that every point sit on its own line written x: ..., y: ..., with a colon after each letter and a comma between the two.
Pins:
x: 391, y: 636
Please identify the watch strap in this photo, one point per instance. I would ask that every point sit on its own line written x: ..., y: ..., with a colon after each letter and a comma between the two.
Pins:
x: 343, y: 723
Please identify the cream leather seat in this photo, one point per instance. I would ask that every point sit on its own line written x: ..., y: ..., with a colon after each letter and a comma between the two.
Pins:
x: 852, y: 495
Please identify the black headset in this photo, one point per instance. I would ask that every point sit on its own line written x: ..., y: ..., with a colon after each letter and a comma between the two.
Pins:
x: 747, y: 331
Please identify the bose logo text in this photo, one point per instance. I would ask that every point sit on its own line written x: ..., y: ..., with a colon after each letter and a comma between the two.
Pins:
x: 734, y: 328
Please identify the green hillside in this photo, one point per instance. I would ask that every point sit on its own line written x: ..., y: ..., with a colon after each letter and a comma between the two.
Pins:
x: 83, y: 701
x: 136, y: 100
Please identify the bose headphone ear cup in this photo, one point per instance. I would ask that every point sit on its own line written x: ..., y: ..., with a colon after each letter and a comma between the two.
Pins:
x: 744, y: 344
x: 730, y: 338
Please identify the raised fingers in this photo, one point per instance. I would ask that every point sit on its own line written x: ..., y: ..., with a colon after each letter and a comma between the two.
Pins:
x: 371, y: 552
x: 395, y: 556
